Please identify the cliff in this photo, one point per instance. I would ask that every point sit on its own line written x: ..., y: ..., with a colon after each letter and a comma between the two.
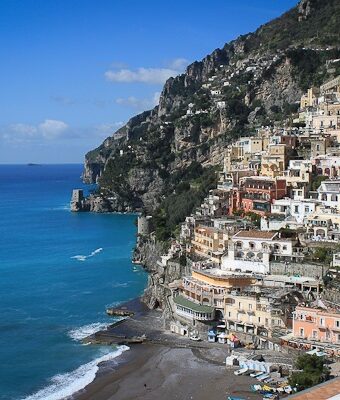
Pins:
x: 254, y: 80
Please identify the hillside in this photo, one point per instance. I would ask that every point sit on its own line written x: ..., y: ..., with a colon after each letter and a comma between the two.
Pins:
x: 164, y: 160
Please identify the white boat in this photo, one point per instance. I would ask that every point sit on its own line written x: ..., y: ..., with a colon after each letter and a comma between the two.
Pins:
x: 241, y: 371
x: 262, y: 377
x: 195, y: 338
x: 256, y: 374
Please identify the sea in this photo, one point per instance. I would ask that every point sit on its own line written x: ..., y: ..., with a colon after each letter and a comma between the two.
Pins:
x: 58, y: 272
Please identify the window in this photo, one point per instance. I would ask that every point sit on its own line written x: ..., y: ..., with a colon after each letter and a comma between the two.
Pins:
x: 240, y: 305
x: 259, y: 319
x: 302, y: 332
x: 296, y: 208
x: 338, y: 337
x: 250, y: 307
x: 337, y: 324
x: 322, y: 321
x: 307, y: 209
x: 315, y: 334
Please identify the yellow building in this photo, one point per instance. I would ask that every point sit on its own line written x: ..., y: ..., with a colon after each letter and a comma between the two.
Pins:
x: 209, y: 243
x: 274, y: 161
x: 209, y: 287
x: 309, y: 99
x: 253, y: 313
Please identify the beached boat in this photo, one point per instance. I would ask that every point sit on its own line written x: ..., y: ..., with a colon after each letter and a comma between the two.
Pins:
x: 256, y: 374
x: 262, y: 377
x: 241, y: 371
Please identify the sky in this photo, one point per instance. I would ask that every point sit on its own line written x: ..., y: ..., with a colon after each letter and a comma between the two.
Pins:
x: 74, y: 71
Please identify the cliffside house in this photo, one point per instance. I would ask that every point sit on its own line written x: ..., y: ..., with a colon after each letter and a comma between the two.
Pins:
x: 256, y: 193
x: 252, y: 251
x: 209, y: 242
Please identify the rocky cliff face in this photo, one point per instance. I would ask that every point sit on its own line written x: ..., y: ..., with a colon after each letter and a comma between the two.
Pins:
x: 229, y: 93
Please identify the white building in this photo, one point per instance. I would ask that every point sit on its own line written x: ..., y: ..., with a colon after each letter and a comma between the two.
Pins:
x: 251, y: 251
x: 299, y: 209
x: 329, y: 194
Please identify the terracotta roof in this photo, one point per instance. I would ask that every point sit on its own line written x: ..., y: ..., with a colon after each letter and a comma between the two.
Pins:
x: 255, y: 235
x: 325, y: 391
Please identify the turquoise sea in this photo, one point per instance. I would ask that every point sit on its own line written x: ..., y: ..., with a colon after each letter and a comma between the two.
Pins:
x: 58, y: 272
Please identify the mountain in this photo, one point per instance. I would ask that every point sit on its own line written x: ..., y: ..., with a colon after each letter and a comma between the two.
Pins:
x: 163, y: 160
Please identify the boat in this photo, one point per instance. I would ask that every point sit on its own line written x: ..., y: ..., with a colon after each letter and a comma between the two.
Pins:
x: 256, y: 388
x: 256, y: 374
x: 268, y: 380
x: 241, y: 371
x: 262, y: 377
x: 272, y: 396
x: 195, y: 338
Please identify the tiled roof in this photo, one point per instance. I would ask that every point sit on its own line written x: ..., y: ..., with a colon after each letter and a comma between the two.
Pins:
x: 255, y: 235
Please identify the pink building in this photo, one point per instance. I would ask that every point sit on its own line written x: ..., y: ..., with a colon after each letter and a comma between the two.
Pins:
x: 317, y: 325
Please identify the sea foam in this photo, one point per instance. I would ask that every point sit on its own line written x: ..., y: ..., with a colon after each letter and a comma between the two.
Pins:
x: 64, y: 385
x: 87, y: 330
x: 83, y: 258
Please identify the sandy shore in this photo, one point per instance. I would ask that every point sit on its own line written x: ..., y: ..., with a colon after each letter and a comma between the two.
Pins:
x: 151, y: 372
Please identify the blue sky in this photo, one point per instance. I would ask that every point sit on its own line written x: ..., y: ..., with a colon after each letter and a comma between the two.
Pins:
x: 73, y: 71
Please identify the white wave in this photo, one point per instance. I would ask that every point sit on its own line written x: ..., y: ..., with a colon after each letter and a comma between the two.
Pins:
x: 87, y: 330
x: 83, y: 258
x: 64, y: 385
x: 118, y: 285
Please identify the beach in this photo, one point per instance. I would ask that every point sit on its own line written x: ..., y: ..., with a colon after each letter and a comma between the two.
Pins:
x: 166, y: 366
x: 151, y: 372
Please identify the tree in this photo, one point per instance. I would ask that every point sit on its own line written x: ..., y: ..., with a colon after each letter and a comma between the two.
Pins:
x: 312, y: 372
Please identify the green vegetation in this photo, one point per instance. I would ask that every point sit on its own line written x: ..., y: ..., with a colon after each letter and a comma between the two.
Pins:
x: 312, y: 372
x: 322, y: 254
x: 317, y: 180
x: 190, y: 187
x: 320, y: 28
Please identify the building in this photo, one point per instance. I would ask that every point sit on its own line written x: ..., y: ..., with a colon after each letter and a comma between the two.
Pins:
x: 256, y: 193
x: 328, y: 164
x: 323, y: 225
x: 258, y: 312
x: 274, y: 161
x: 298, y: 209
x: 210, y: 286
x: 329, y: 193
x: 209, y: 243
x: 315, y: 325
x: 310, y: 99
x: 193, y: 311
x: 252, y: 251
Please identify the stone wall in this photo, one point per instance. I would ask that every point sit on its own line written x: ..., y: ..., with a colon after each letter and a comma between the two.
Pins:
x: 303, y: 269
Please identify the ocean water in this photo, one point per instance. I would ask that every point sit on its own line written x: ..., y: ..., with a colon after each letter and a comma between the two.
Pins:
x: 58, y: 272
